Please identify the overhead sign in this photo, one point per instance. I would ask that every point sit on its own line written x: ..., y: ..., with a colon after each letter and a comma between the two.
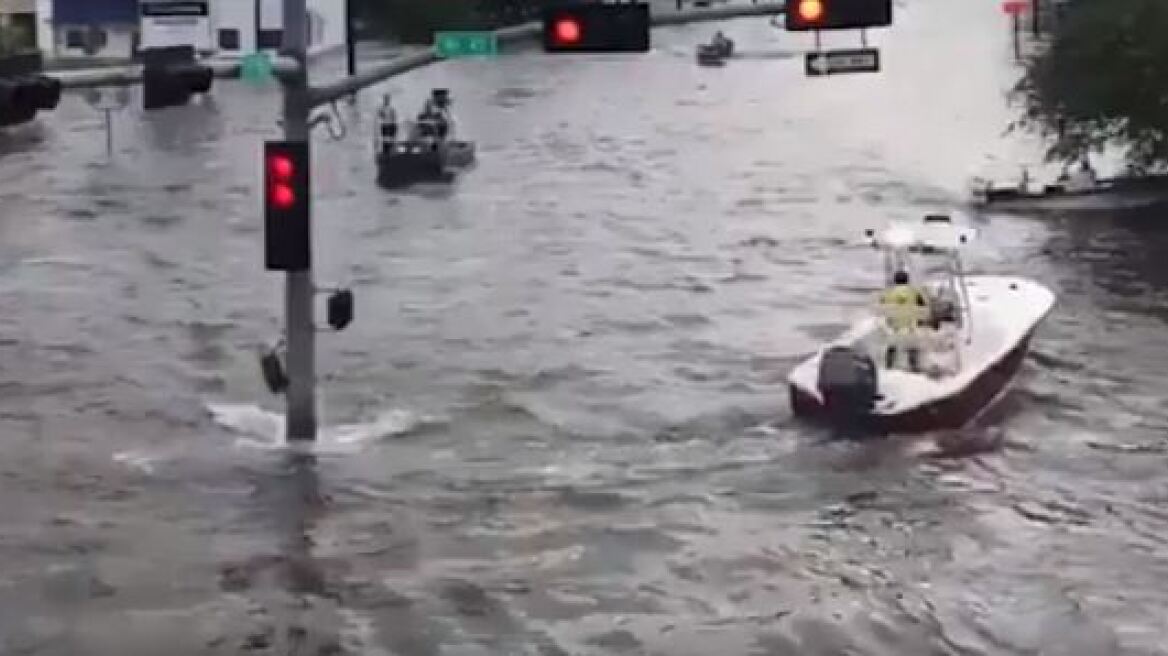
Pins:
x: 830, y: 62
x: 450, y: 45
x: 256, y: 68
x: 166, y: 23
x: 1014, y: 7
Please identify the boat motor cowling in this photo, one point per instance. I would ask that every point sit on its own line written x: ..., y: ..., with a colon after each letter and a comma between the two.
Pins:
x: 848, y: 382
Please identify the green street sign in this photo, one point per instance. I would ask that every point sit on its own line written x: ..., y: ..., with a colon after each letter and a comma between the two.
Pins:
x: 256, y: 68
x: 452, y: 45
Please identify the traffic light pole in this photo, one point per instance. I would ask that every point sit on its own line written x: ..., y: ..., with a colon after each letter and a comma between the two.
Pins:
x: 298, y: 287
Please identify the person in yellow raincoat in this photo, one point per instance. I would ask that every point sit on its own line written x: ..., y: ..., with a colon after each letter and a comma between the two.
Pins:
x: 906, y: 311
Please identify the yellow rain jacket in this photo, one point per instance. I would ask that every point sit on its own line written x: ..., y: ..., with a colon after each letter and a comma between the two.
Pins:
x: 905, y: 307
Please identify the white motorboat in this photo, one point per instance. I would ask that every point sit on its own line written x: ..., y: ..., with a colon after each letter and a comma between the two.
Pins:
x: 980, y: 329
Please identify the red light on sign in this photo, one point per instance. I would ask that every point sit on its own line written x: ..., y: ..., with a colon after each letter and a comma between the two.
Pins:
x: 283, y: 197
x: 567, y: 30
x: 281, y: 167
x: 1014, y: 7
x: 811, y: 10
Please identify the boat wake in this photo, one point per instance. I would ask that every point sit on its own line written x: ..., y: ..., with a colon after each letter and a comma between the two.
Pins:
x: 263, y: 429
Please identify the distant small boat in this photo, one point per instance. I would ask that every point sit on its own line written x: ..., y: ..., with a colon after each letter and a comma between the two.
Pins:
x: 715, y: 53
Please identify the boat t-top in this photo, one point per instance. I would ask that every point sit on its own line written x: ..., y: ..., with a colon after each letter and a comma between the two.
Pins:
x: 970, y: 340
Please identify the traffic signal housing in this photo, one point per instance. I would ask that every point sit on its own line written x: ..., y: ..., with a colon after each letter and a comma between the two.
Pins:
x: 287, y: 206
x: 594, y: 27
x: 808, y: 15
x: 23, y: 90
x: 170, y: 76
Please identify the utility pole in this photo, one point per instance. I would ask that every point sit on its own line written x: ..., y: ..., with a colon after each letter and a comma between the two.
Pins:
x: 298, y: 286
x: 350, y: 39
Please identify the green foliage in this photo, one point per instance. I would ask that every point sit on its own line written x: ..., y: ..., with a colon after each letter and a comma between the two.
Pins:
x: 1103, y: 80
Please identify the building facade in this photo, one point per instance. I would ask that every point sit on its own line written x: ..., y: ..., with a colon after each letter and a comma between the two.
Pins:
x: 17, y: 25
x: 244, y: 26
x: 112, y: 29
x: 96, y: 29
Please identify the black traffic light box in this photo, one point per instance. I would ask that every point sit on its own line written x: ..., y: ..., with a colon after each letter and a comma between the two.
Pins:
x: 287, y: 206
x: 808, y: 15
x: 23, y: 90
x: 170, y: 76
x: 594, y: 27
x: 340, y: 309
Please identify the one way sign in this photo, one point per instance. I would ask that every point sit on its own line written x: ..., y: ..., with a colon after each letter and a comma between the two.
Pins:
x: 860, y: 60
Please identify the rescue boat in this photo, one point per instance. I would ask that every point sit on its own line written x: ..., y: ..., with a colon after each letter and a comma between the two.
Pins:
x: 980, y: 328
x: 430, y: 152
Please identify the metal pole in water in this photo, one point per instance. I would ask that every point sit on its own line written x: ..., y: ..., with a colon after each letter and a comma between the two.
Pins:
x: 298, y: 286
x: 1017, y: 37
x: 350, y: 42
x: 109, y: 133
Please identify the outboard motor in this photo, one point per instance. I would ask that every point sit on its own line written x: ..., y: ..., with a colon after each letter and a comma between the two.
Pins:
x: 848, y: 383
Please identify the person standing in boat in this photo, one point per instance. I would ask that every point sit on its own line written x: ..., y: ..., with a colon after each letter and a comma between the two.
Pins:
x: 1083, y: 179
x: 906, y: 311
x: 386, y: 123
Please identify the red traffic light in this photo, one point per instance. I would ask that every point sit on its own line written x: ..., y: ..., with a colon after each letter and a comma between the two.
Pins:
x: 287, y: 206
x: 283, y: 197
x: 567, y: 31
x: 281, y: 167
x: 810, y: 11
x: 586, y: 26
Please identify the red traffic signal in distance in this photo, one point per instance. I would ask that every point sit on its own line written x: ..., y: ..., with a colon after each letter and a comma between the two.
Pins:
x: 287, y: 206
x: 566, y: 31
x: 595, y: 27
x: 807, y: 15
x: 810, y: 11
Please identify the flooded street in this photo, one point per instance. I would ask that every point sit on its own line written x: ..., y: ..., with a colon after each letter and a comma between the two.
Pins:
x: 559, y: 422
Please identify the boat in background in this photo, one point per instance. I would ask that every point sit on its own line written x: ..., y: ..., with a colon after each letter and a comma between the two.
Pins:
x: 1117, y: 193
x: 980, y: 330
x: 429, y: 153
x: 716, y: 52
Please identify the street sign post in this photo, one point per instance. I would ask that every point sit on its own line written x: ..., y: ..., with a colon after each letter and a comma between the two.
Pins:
x: 453, y: 45
x: 858, y: 60
x: 107, y: 102
x: 1014, y: 9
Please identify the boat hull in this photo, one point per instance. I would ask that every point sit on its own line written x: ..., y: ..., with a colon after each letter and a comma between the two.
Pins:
x: 405, y: 165
x: 949, y: 412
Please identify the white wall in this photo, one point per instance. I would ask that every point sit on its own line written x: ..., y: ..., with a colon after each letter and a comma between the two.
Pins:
x: 330, y: 22
x: 326, y: 22
x: 44, y: 19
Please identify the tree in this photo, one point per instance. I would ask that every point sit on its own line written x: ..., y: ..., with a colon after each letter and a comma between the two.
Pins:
x: 1103, y: 81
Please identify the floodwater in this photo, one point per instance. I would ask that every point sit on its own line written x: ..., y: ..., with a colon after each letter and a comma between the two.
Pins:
x: 559, y: 422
